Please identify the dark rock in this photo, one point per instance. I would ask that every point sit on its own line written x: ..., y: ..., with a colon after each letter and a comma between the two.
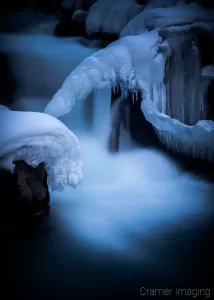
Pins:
x: 87, y: 4
x: 69, y: 29
x: 141, y: 130
x: 206, y: 48
x: 128, y: 114
x: 25, y: 192
x: 47, y: 6
x: 108, y: 37
x: 210, y: 97
x: 8, y: 84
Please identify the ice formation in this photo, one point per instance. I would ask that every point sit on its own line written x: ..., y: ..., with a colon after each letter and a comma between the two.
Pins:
x: 111, y: 16
x: 118, y: 64
x: 37, y: 137
x: 162, y: 59
x: 188, y: 106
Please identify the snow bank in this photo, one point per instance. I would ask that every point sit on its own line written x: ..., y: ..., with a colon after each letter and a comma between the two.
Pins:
x: 137, y: 24
x: 121, y: 63
x: 37, y: 137
x: 208, y: 71
x: 178, y: 16
x: 79, y: 15
x: 111, y: 15
x: 170, y: 14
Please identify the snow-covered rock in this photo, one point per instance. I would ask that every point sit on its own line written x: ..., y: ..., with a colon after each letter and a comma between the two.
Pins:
x: 35, y: 138
x: 110, y: 16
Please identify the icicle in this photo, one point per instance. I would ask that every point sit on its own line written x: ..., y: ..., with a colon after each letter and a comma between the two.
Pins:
x: 196, y: 150
x: 133, y: 97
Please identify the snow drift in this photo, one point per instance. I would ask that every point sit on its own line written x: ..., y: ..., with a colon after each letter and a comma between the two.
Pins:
x: 137, y: 24
x: 37, y: 137
x: 166, y: 13
x: 110, y: 16
x: 191, y: 15
x: 208, y: 71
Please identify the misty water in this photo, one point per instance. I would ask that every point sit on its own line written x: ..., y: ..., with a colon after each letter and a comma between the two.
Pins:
x: 129, y: 202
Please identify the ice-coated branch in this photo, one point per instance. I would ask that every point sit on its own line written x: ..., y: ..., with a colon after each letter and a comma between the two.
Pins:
x: 37, y: 137
x: 124, y: 63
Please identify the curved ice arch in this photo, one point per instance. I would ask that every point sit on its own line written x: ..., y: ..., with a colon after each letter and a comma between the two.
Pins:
x: 197, y: 140
x: 122, y: 63
x: 37, y: 137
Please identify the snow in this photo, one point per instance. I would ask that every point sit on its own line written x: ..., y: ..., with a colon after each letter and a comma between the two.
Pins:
x: 170, y: 14
x: 79, y: 15
x: 208, y: 71
x: 120, y: 63
x: 36, y: 137
x: 111, y: 15
x: 2, y: 107
x: 137, y: 24
x: 178, y: 16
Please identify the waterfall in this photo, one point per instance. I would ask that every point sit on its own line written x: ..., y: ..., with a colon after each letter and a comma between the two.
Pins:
x: 185, y: 89
x: 183, y: 97
x: 101, y: 115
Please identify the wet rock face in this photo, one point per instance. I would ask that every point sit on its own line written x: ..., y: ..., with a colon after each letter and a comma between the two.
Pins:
x: 25, y: 192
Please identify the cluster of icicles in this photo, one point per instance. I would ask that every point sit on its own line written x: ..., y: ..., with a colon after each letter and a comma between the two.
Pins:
x: 164, y: 64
